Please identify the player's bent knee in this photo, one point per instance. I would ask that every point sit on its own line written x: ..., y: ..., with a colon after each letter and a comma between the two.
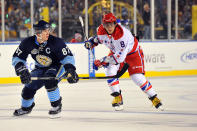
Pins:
x: 50, y: 88
x: 50, y: 85
x: 28, y: 93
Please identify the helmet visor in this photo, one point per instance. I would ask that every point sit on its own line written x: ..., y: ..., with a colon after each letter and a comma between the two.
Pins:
x: 109, y: 24
x: 41, y: 30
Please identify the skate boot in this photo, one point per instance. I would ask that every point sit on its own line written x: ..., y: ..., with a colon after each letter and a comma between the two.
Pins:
x: 117, y: 102
x: 54, y: 112
x: 156, y: 102
x: 23, y: 110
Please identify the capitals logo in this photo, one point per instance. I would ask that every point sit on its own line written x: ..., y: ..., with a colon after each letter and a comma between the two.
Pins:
x: 189, y: 56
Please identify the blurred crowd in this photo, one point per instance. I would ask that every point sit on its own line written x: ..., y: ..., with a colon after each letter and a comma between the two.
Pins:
x: 17, y: 17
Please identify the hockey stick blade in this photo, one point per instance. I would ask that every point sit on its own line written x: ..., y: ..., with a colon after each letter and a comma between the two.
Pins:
x: 81, y: 21
x: 82, y: 27
x: 118, y: 75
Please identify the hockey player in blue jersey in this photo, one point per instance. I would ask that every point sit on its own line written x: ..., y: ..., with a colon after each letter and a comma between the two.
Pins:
x: 50, y: 54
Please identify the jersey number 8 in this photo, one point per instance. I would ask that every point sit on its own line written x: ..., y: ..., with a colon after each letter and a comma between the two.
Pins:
x: 122, y: 44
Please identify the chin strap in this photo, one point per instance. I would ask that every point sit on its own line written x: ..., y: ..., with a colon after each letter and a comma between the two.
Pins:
x: 40, y: 38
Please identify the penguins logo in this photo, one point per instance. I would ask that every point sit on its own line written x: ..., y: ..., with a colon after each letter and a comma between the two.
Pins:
x: 44, y: 60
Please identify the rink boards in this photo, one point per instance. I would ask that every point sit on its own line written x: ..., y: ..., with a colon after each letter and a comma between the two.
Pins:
x: 161, y: 59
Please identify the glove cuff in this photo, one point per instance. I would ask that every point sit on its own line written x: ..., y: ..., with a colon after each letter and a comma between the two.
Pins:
x: 69, y: 66
x: 94, y: 41
x: 19, y: 66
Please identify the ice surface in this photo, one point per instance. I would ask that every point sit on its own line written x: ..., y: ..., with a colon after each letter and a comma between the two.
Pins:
x: 87, y: 107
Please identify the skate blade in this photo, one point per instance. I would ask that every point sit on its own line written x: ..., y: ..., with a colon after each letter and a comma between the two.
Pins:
x: 20, y: 115
x: 161, y: 108
x: 55, y: 116
x: 118, y: 108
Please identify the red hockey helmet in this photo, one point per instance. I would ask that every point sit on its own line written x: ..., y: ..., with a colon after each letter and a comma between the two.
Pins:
x: 109, y: 17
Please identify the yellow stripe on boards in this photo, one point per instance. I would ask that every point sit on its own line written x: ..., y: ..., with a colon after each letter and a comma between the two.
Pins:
x: 171, y: 73
x: 16, y: 80
x: 10, y: 80
x: 161, y: 73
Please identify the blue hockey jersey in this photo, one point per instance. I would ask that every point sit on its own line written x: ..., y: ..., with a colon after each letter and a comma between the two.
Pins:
x: 53, y: 52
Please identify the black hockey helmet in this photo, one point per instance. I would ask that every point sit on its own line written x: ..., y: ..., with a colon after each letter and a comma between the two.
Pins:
x: 41, y: 25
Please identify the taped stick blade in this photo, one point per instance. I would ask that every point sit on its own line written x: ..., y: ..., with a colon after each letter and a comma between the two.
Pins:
x: 81, y: 21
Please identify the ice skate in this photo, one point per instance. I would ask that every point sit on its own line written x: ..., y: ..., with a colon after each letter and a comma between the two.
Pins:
x: 156, y: 102
x: 117, y: 102
x: 23, y: 110
x: 54, y: 112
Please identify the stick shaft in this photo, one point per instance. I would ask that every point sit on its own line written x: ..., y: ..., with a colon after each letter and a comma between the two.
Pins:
x: 52, y: 78
x: 119, y: 74
x: 82, y: 27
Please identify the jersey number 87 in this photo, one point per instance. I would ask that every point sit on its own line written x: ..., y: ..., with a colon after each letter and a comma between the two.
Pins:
x: 66, y: 51
x: 18, y: 51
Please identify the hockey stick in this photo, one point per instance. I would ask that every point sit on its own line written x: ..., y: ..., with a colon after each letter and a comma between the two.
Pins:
x: 82, y: 26
x: 52, y: 78
x: 118, y: 75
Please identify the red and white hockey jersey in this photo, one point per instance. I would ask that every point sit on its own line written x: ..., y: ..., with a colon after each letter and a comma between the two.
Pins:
x: 121, y: 42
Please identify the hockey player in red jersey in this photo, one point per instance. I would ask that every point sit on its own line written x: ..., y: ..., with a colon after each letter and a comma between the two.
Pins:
x: 124, y: 47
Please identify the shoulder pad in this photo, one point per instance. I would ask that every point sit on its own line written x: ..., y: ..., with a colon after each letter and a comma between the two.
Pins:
x: 101, y: 30
x: 118, y: 33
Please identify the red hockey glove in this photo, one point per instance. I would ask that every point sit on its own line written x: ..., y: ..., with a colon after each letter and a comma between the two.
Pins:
x: 99, y: 64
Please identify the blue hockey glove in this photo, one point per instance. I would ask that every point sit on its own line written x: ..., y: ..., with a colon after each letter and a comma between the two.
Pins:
x: 91, y: 43
x: 88, y: 45
x: 72, y: 76
x: 23, y: 72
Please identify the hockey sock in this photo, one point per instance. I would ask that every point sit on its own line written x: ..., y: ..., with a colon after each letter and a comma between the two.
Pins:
x: 141, y: 81
x: 54, y: 95
x: 147, y: 88
x: 27, y: 103
x: 114, y: 85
